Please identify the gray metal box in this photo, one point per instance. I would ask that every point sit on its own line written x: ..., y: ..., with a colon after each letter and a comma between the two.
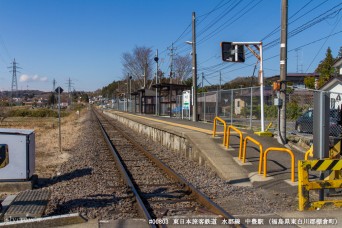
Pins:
x: 21, y: 154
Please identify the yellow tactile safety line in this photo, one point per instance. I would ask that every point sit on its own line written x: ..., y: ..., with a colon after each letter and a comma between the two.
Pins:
x: 209, y: 132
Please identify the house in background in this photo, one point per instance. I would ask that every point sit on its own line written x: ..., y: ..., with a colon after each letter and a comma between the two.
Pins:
x: 338, y: 66
x: 334, y: 86
x: 296, y: 79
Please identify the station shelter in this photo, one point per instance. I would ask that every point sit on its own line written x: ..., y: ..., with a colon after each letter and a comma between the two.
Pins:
x: 163, y: 96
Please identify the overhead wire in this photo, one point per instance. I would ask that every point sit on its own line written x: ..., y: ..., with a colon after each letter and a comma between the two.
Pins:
x: 293, y: 49
x: 320, y: 49
x: 294, y: 32
x: 231, y: 20
x: 277, y: 29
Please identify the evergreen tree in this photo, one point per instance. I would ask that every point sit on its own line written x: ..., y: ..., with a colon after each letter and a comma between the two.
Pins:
x: 339, y: 55
x: 325, y: 69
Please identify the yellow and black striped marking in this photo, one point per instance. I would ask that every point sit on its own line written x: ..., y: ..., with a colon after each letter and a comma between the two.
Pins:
x: 304, y: 185
x: 323, y: 165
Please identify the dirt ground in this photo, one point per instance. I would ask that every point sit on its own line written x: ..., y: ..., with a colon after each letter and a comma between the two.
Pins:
x: 48, y: 156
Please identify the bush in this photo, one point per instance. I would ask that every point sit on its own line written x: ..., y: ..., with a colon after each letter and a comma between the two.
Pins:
x: 35, y: 113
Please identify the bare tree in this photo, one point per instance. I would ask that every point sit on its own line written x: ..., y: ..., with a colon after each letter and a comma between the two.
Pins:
x: 136, y: 64
x: 183, y: 68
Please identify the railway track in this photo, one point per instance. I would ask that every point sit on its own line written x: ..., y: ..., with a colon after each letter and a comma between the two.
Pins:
x: 160, y: 193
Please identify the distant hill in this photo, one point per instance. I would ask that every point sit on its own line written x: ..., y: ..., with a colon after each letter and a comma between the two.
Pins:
x: 23, y: 93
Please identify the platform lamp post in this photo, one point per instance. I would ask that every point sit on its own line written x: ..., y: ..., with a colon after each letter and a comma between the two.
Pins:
x: 156, y: 59
x: 194, y: 69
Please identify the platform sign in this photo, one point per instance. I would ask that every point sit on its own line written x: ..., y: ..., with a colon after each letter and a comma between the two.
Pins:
x: 186, y: 99
x: 186, y: 103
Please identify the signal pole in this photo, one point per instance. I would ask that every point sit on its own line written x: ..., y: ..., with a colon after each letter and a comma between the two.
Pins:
x: 283, y: 72
x: 156, y: 59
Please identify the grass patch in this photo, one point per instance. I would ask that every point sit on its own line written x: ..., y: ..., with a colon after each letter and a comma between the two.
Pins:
x: 42, y: 112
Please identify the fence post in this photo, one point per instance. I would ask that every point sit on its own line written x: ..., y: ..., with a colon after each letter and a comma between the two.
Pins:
x: 231, y: 107
x: 216, y: 105
x: 204, y: 107
x: 251, y: 111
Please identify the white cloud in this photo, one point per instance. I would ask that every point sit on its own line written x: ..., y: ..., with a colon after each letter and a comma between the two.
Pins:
x: 43, y: 79
x: 24, y: 78
x: 34, y: 78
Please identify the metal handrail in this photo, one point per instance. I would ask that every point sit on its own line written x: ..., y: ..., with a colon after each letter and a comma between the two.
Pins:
x: 308, y: 153
x: 281, y: 150
x: 245, y: 150
x: 241, y: 138
x: 224, y: 128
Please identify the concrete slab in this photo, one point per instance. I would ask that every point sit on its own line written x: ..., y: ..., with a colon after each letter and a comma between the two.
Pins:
x: 255, y: 176
x: 28, y: 204
x: 52, y: 221
x: 289, y: 182
x: 5, y: 204
x: 237, y: 160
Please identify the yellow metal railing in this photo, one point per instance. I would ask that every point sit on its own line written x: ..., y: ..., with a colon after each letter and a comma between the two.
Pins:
x: 245, y: 151
x: 308, y: 153
x: 280, y: 150
x: 304, y: 185
x: 228, y: 136
x: 224, y: 128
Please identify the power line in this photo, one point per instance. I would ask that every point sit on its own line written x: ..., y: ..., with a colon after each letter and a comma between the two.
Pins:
x: 225, y: 25
x: 326, y: 39
x: 278, y: 27
x: 294, y: 32
x: 2, y: 42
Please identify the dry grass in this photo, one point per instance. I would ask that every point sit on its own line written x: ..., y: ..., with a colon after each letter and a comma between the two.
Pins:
x: 48, y: 156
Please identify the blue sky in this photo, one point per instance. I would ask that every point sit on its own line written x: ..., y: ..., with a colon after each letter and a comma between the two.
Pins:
x: 84, y: 39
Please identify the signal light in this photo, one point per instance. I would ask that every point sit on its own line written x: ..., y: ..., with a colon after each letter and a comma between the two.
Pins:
x: 276, y: 86
x: 232, y: 52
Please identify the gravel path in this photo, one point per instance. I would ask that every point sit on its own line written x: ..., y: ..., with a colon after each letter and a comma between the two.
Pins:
x: 89, y: 183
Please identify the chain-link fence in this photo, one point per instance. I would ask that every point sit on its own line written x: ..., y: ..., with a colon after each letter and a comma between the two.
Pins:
x: 242, y: 108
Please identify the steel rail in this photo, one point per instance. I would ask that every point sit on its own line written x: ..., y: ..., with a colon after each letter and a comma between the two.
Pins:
x: 141, y: 206
x: 198, y: 195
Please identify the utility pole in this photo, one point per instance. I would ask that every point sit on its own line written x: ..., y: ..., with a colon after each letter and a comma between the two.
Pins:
x: 14, y: 87
x: 283, y: 73
x: 194, y: 69
x: 171, y: 63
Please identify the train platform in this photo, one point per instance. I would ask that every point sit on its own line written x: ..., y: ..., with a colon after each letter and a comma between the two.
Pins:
x: 225, y: 162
